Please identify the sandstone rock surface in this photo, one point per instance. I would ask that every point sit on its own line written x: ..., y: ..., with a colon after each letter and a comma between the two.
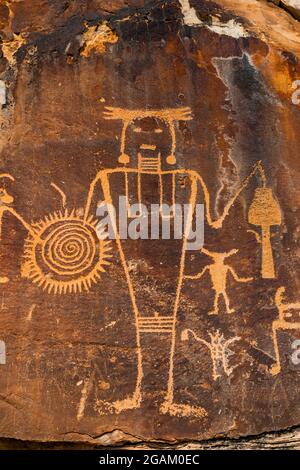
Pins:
x: 141, y: 341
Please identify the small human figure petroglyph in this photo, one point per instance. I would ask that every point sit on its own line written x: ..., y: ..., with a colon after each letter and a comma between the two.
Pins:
x: 219, y: 351
x: 218, y: 272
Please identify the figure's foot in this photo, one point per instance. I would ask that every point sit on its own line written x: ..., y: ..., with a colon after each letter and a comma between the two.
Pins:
x: 129, y: 403
x: 230, y: 310
x: 275, y: 369
x: 177, y: 409
x: 213, y: 312
x: 3, y: 279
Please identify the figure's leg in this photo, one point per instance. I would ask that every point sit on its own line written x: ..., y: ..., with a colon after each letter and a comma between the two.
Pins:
x: 130, y: 402
x: 134, y: 400
x: 169, y: 406
x: 226, y: 299
x: 215, y: 311
x: 276, y: 368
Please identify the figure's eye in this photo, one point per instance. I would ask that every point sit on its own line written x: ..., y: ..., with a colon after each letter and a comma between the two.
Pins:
x: 2, y: 192
x: 158, y: 131
x: 137, y: 129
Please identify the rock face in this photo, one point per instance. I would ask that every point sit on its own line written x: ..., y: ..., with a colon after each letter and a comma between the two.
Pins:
x: 292, y: 6
x: 105, y: 340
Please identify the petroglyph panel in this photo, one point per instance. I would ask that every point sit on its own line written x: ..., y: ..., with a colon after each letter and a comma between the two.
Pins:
x: 164, y: 104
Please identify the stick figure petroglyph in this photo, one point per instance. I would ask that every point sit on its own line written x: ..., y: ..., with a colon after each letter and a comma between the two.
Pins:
x: 219, y: 351
x: 218, y: 272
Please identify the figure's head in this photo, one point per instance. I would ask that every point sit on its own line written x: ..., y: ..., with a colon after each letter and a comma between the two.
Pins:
x: 148, y: 136
x: 5, y: 197
x: 150, y: 130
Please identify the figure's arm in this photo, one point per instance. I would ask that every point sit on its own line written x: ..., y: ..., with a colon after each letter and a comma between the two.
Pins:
x: 18, y: 216
x: 238, y: 278
x: 96, y: 180
x: 185, y: 335
x: 199, y: 275
x: 217, y: 224
x: 294, y: 306
x: 275, y: 369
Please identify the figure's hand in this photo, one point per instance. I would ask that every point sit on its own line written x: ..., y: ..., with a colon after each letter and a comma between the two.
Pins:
x: 246, y: 279
x: 275, y: 369
x: 217, y: 224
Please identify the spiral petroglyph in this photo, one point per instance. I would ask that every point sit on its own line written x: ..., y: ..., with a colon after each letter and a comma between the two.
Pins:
x: 65, y: 255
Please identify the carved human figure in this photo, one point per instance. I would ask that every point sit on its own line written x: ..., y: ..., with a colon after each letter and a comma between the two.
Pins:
x: 219, y: 271
x: 219, y: 349
x: 148, y: 167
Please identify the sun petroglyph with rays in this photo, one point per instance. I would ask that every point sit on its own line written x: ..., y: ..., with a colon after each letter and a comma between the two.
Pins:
x: 66, y: 254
